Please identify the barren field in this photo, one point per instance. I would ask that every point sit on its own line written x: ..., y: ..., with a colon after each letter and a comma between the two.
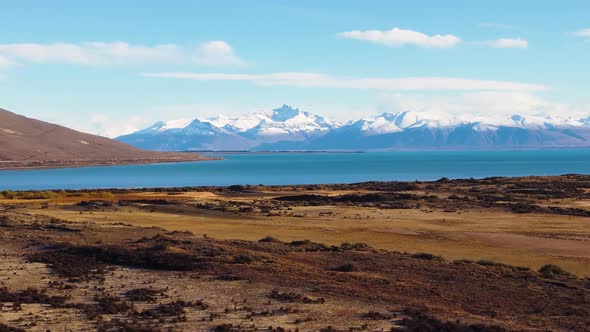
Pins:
x: 497, y: 254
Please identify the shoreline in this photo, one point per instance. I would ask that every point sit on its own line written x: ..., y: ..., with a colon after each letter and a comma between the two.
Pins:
x: 433, y: 149
x: 244, y: 188
x: 59, y: 164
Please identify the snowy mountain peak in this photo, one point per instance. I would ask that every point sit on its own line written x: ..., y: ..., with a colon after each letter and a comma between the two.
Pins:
x: 519, y: 120
x: 285, y: 113
x: 198, y: 127
x: 172, y: 125
x: 282, y: 121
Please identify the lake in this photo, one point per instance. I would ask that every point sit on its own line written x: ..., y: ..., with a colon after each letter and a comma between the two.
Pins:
x: 307, y: 168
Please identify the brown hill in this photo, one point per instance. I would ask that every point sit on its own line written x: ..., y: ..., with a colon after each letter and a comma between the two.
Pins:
x: 26, y: 142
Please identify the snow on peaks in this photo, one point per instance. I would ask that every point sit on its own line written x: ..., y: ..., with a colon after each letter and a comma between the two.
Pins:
x: 287, y: 120
x: 284, y: 120
x: 391, y: 123
x: 284, y: 113
x: 174, y: 124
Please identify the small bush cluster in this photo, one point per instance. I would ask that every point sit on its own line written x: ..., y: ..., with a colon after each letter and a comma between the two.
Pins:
x: 275, y: 294
x: 418, y: 321
x: 228, y: 277
x: 486, y: 262
x: 551, y: 271
x: 347, y: 267
x: 226, y: 328
x: 269, y: 239
x: 172, y: 309
x: 427, y: 256
x: 245, y: 258
x: 142, y: 294
x: 7, y: 328
x: 376, y: 315
x: 31, y: 295
x: 275, y: 312
x: 119, y: 325
x: 309, y: 246
x: 328, y: 329
x: 106, y: 305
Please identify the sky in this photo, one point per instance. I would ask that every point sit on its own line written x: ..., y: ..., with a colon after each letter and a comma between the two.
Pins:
x: 112, y: 67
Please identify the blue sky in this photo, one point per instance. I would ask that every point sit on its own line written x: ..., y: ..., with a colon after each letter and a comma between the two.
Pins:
x: 109, y: 67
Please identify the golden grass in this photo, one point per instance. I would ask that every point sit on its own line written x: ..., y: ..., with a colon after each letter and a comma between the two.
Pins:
x: 517, y: 239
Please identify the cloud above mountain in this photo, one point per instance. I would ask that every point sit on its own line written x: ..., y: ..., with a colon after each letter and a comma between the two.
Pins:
x: 483, y: 103
x: 317, y: 80
x: 5, y: 62
x: 211, y: 53
x: 218, y: 53
x: 507, y: 43
x: 500, y: 26
x: 400, y: 37
x: 582, y: 33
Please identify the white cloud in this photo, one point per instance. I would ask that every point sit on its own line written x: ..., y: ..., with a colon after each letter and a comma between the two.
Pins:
x: 302, y: 79
x: 114, y: 125
x: 100, y: 53
x: 217, y: 53
x: 88, y: 53
x: 399, y: 37
x: 484, y: 104
x: 500, y: 26
x: 583, y: 33
x: 105, y: 125
x: 5, y: 62
x: 507, y: 43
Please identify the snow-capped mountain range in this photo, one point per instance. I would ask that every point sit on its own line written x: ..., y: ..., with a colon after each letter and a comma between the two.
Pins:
x: 287, y: 128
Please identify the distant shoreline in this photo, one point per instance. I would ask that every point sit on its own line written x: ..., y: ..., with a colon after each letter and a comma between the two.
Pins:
x: 209, y: 152
x: 9, y: 165
x: 440, y: 149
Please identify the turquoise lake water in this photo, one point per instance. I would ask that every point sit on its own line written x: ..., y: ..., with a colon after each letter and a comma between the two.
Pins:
x: 307, y: 168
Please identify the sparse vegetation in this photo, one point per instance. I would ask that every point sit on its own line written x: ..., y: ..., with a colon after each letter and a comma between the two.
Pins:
x: 427, y: 256
x: 347, y: 267
x: 31, y: 295
x: 8, y: 328
x: 225, y: 328
x: 376, y: 315
x: 172, y: 309
x: 115, y: 273
x: 86, y: 261
x: 47, y: 194
x: 552, y: 270
x: 269, y: 239
x: 245, y: 258
x: 142, y: 294
x: 418, y: 321
x: 294, y: 297
x: 106, y: 305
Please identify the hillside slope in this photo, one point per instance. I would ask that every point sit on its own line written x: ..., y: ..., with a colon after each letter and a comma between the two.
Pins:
x: 26, y: 142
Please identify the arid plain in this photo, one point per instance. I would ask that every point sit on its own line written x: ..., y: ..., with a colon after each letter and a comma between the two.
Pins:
x: 462, y: 255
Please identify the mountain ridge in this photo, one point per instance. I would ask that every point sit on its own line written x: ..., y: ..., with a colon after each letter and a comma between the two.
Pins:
x: 288, y: 128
